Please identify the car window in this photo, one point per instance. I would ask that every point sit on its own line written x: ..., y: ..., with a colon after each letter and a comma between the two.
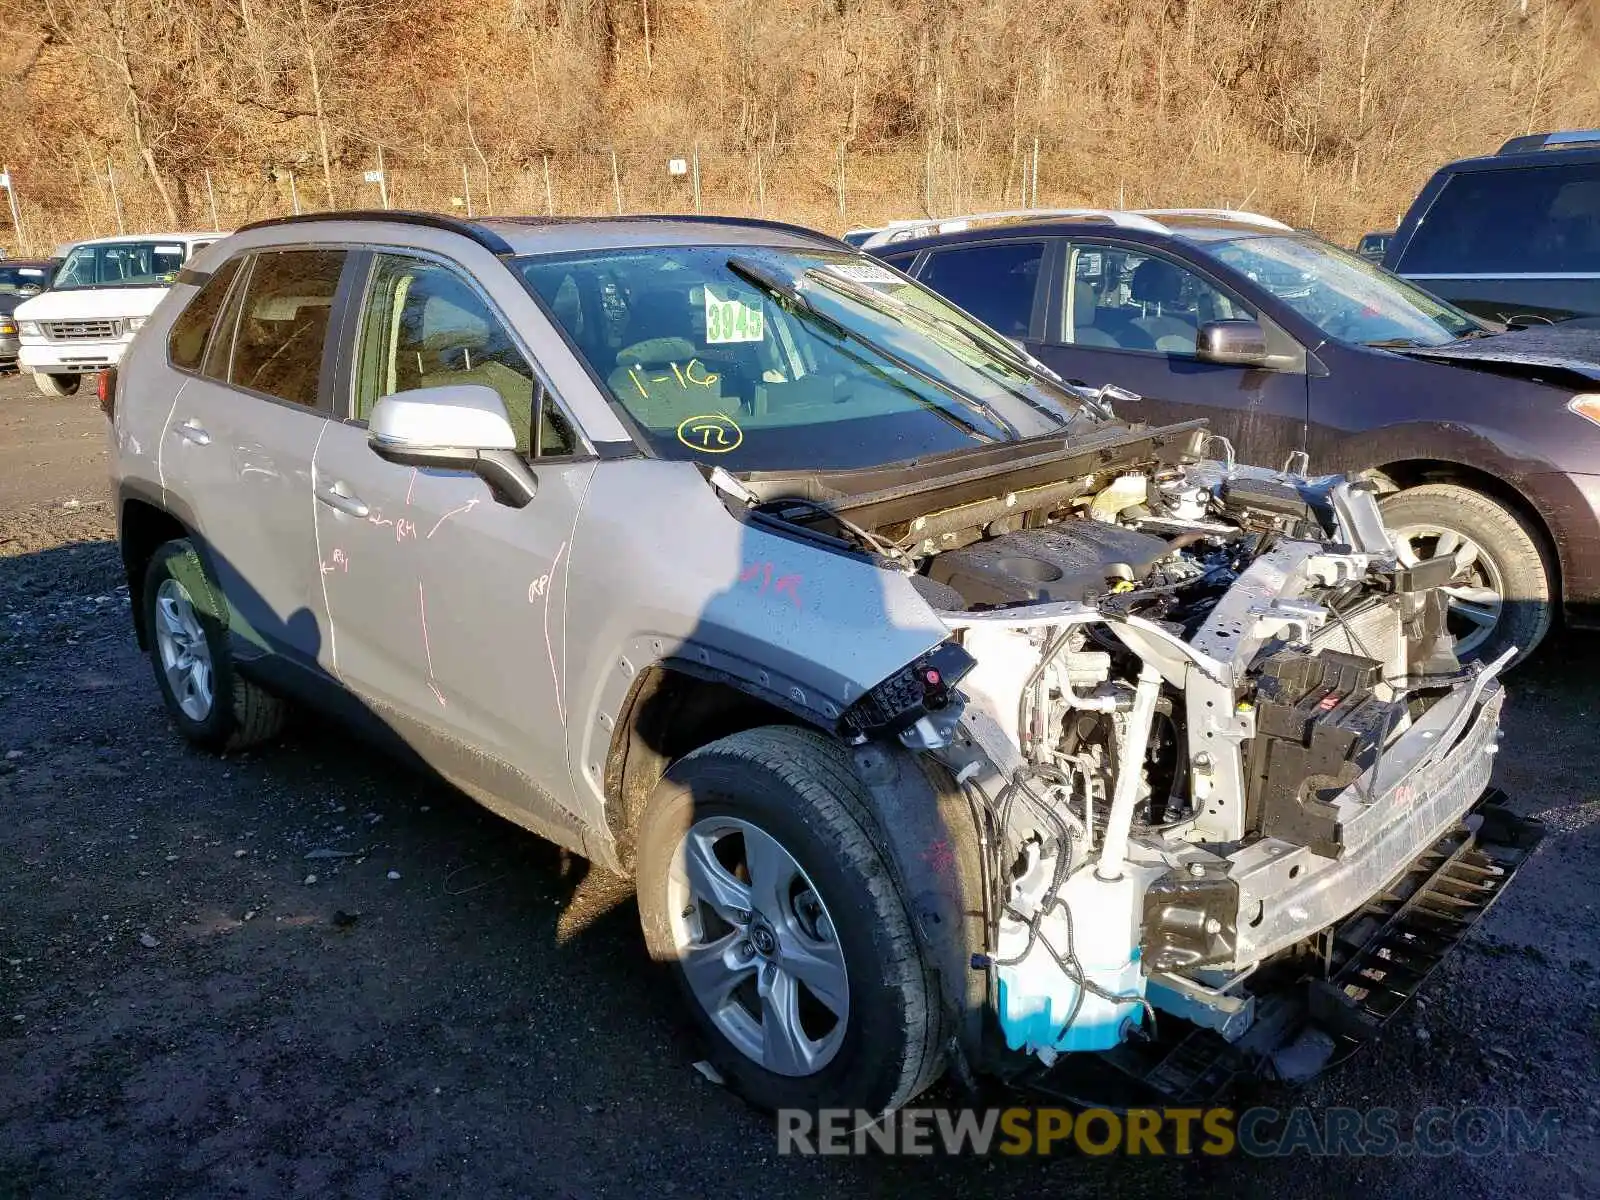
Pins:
x: 1125, y: 298
x: 1538, y: 219
x: 22, y: 281
x: 424, y: 325
x: 1343, y: 295
x: 778, y: 358
x: 121, y: 264
x: 996, y: 282
x: 186, y: 344
x: 283, y: 323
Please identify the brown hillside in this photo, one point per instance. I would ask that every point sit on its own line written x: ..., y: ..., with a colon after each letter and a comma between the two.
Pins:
x: 1326, y: 113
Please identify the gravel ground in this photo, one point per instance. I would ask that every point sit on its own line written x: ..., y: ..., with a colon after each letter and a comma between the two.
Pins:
x: 307, y: 972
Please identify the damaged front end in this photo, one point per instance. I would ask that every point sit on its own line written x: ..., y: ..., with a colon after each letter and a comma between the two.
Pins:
x: 1211, y: 730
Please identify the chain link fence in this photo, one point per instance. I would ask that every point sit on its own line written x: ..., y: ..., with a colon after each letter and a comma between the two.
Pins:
x: 829, y: 190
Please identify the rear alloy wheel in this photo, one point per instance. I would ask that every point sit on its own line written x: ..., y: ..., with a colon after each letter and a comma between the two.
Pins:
x: 210, y: 702
x: 1501, y: 591
x: 764, y: 886
x: 59, y: 386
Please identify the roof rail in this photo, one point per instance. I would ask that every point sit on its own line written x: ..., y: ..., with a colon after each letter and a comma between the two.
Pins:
x: 1219, y: 214
x: 905, y: 231
x: 694, y: 218
x: 489, y: 240
x: 1562, y: 139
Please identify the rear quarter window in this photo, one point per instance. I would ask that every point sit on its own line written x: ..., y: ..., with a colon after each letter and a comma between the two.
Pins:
x: 186, y: 344
x: 1534, y: 220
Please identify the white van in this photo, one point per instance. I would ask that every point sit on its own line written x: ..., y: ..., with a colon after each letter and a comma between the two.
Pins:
x: 101, y: 295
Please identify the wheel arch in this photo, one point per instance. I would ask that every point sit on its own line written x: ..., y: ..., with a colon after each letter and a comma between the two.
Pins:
x: 143, y: 527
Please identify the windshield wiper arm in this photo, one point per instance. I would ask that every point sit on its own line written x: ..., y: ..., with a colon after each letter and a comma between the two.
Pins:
x: 784, y: 290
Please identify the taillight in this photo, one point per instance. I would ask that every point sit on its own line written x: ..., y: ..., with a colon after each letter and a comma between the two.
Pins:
x: 105, y: 388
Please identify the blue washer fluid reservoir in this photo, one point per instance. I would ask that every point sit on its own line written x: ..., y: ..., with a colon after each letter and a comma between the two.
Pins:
x: 1043, y: 1009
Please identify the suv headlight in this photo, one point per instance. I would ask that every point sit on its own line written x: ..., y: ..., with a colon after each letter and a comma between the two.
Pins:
x: 1586, y: 406
x: 29, y: 329
x: 134, y: 323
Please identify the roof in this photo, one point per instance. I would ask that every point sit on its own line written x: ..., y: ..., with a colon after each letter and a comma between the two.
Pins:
x: 556, y: 235
x: 1535, y: 150
x: 208, y: 234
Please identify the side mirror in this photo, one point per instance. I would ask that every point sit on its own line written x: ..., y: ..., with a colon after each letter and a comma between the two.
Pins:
x: 1239, y: 343
x: 461, y: 427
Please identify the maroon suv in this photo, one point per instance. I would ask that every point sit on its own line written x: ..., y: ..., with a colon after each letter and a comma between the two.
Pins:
x: 1485, y: 443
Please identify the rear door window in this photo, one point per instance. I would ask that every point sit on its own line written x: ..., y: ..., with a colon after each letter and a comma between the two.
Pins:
x: 1541, y: 219
x: 282, y: 327
x: 997, y: 282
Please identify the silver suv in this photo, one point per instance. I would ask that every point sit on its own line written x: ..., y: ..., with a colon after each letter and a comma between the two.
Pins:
x: 942, y: 718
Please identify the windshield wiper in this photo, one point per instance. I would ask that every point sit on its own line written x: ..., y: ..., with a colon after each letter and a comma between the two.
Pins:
x: 894, y: 307
x: 782, y: 289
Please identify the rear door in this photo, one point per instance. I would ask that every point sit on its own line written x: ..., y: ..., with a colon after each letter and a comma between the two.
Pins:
x: 240, y: 440
x: 448, y: 608
x: 1124, y: 314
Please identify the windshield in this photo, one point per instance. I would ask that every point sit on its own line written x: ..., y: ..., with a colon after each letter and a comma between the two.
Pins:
x: 766, y: 359
x: 1346, y: 297
x: 22, y: 281
x: 121, y: 264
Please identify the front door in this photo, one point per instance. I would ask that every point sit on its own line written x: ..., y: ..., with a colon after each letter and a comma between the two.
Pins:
x: 448, y: 608
x: 241, y: 439
x: 1128, y: 316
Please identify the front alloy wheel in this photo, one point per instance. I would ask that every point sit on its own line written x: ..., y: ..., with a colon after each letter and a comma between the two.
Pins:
x: 765, y: 887
x: 1476, y: 592
x: 1502, y: 592
x: 757, y: 946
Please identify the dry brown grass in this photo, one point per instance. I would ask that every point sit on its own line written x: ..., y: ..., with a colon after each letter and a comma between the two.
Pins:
x: 1326, y: 113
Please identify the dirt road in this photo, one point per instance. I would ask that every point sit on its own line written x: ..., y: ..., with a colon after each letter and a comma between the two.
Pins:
x: 305, y: 972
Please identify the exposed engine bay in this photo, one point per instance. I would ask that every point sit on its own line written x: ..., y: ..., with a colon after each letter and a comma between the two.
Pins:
x: 1200, y: 711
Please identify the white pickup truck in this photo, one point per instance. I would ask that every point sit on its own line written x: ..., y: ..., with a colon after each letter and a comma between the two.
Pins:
x: 101, y: 295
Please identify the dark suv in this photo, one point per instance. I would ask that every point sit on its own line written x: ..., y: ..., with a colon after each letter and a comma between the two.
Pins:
x: 1484, y: 443
x: 1513, y: 237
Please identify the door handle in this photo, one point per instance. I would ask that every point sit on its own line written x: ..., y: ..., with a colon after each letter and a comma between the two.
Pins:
x: 338, y: 496
x: 192, y: 431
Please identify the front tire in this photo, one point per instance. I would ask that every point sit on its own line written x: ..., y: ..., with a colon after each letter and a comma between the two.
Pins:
x: 1503, y: 591
x: 210, y: 702
x: 59, y: 386
x: 763, y: 885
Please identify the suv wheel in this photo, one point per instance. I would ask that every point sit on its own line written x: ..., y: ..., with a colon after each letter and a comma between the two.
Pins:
x: 1502, y: 592
x: 211, y: 703
x: 56, y: 385
x: 762, y: 884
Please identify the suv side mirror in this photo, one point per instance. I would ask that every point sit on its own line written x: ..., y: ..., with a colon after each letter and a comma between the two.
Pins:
x: 1239, y: 343
x: 462, y: 427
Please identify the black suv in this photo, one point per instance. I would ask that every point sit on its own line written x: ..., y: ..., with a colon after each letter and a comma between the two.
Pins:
x: 1513, y: 237
x: 1484, y: 442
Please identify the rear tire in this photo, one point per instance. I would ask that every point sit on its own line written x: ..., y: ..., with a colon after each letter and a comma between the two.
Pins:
x: 59, y: 386
x: 210, y: 702
x: 723, y: 817
x: 1502, y: 558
